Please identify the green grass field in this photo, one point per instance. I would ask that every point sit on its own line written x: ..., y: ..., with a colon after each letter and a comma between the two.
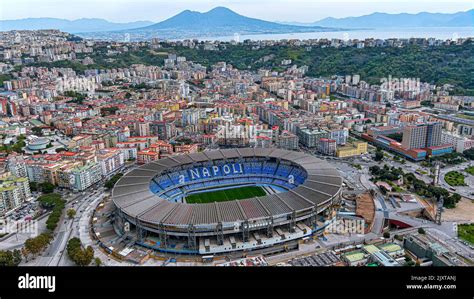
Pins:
x: 466, y: 232
x: 470, y: 170
x: 226, y: 195
x: 454, y: 178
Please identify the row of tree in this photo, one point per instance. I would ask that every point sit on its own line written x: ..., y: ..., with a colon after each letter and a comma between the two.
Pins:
x: 34, y: 246
x: 414, y: 184
x: 79, y: 255
x: 439, y: 65
x: 10, y: 257
x: 55, y: 203
x: 423, y: 189
x: 449, y: 159
x: 386, y: 173
x: 111, y: 182
x: 44, y: 187
x: 49, y: 201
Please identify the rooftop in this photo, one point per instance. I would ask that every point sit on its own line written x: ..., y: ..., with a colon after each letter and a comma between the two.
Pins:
x: 371, y: 248
x: 354, y: 256
x: 390, y: 247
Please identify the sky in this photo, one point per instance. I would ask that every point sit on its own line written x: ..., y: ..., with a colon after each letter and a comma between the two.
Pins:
x: 271, y: 10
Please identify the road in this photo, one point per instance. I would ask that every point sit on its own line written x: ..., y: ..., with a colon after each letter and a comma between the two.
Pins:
x: 74, y: 227
x: 55, y: 254
x: 465, y: 191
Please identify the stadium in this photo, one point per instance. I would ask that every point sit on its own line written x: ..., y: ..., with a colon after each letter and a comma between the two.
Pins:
x: 224, y: 201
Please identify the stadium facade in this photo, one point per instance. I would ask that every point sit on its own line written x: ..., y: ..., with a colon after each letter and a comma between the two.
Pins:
x: 151, y: 200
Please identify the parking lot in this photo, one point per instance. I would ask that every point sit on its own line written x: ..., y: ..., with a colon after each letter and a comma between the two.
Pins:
x: 323, y: 259
x: 26, y: 211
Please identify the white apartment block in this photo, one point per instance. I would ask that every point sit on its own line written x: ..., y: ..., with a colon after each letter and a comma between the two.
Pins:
x: 13, y: 192
x: 110, y: 161
x: 83, y: 177
x: 460, y: 143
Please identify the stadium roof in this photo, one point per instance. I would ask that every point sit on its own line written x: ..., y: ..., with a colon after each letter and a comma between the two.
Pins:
x: 133, y: 196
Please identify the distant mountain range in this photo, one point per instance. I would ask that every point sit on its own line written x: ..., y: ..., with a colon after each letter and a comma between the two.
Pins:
x: 383, y: 20
x: 222, y: 21
x: 75, y: 26
x: 219, y: 21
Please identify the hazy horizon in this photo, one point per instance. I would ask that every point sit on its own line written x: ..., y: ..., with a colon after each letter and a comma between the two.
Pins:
x: 303, y: 11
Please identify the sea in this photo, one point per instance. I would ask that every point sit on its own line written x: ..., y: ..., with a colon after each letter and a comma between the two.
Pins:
x: 379, y: 33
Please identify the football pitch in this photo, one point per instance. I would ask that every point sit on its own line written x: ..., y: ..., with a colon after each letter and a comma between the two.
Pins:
x: 226, y: 195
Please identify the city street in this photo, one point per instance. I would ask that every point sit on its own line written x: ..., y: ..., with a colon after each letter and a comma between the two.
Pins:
x: 465, y: 191
x: 55, y: 254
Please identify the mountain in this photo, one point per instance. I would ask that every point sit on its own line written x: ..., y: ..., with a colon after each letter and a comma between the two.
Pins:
x: 74, y: 26
x: 423, y: 19
x: 217, y: 18
x: 216, y: 22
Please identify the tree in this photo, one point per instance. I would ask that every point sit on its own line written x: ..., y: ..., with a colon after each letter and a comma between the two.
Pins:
x: 97, y: 261
x: 84, y: 257
x: 25, y: 253
x: 33, y: 186
x: 421, y: 231
x: 427, y: 103
x: 48, y: 201
x: 32, y: 246
x: 10, y: 258
x: 17, y: 147
x: 72, y: 245
x: 38, y: 131
x: 71, y: 213
x: 80, y: 256
x: 111, y: 183
x: 46, y: 187
x: 16, y: 257
x: 469, y: 154
x: 378, y: 155
x: 410, y: 263
x: 386, y: 235
x: 78, y: 98
x: 374, y: 170
x: 451, y: 201
x: 56, y: 204
x: 371, y: 62
x: 37, y: 244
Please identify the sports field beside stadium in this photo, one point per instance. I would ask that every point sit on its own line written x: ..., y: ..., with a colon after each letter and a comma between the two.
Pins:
x: 226, y: 195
